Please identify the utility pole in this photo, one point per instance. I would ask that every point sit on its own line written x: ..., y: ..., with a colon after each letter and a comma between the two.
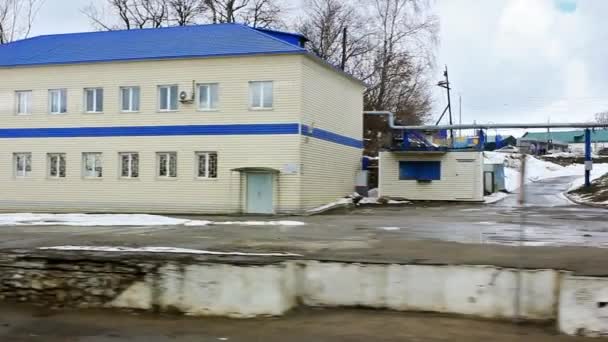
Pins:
x: 446, y: 84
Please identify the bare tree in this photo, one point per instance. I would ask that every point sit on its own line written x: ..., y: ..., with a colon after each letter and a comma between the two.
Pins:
x: 602, y: 118
x: 128, y: 14
x: 405, y: 38
x: 326, y: 22
x: 186, y: 12
x: 133, y: 14
x: 17, y: 18
x: 263, y: 14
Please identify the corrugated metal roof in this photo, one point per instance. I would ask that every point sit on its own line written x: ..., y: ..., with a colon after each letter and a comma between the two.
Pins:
x: 577, y: 136
x: 142, y: 44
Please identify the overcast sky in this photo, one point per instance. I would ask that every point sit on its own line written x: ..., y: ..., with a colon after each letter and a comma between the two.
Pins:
x: 511, y: 60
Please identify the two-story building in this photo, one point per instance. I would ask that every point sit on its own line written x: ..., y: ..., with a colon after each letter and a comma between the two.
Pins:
x: 198, y: 119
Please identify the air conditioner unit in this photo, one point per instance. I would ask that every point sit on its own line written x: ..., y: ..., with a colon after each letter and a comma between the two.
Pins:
x: 185, y: 98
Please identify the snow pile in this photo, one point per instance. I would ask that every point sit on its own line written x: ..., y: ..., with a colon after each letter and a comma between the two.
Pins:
x: 160, y: 250
x: 96, y: 220
x: 356, y: 200
x: 537, y: 169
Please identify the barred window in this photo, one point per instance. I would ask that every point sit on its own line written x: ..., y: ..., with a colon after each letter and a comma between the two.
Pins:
x: 167, y: 164
x: 129, y: 165
x: 23, y: 164
x: 56, y: 165
x: 207, y: 164
x: 92, y: 165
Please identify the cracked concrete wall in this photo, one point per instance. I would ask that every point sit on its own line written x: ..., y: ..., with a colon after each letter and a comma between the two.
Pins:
x: 273, y: 287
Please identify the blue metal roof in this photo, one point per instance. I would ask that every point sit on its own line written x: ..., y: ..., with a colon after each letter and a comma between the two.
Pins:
x: 161, y: 43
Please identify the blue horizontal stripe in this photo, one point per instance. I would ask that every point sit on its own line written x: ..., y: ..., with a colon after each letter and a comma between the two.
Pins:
x: 331, y: 137
x: 142, y: 131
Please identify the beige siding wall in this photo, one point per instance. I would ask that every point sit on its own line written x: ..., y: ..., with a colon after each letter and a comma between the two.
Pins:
x: 461, y: 177
x: 149, y: 194
x: 185, y: 194
x: 232, y: 74
x: 333, y: 103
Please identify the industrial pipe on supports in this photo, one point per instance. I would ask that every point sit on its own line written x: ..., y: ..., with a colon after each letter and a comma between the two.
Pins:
x: 585, y: 125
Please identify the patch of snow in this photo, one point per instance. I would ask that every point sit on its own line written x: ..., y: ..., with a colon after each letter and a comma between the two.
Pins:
x: 495, y: 197
x: 487, y: 223
x: 97, y: 220
x: 258, y: 223
x: 369, y: 200
x: 372, y: 193
x: 536, y: 169
x: 561, y: 155
x: 470, y: 209
x: 398, y: 202
x: 390, y: 228
x: 159, y: 250
x: 338, y: 203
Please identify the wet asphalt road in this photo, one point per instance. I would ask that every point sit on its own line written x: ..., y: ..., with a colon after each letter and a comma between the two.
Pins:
x: 547, y: 220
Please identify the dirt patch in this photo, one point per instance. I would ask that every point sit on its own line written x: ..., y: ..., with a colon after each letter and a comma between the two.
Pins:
x: 597, y: 193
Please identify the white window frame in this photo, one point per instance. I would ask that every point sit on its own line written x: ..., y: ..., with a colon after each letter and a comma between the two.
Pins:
x: 84, y: 165
x: 251, y: 95
x: 16, y: 160
x: 49, y: 158
x: 131, y: 106
x: 207, y: 164
x: 130, y: 165
x: 60, y: 93
x: 168, y: 166
x: 96, y: 109
x: 28, y: 102
x: 169, y: 103
x: 209, y: 87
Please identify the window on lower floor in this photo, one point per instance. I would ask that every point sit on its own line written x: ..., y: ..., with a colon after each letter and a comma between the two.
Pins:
x: 57, y: 165
x: 420, y: 170
x: 207, y: 164
x: 129, y: 165
x: 167, y: 164
x: 23, y: 164
x: 92, y: 165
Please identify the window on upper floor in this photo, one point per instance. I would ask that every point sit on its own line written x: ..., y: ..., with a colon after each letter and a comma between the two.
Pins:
x: 129, y: 99
x: 58, y: 101
x: 129, y: 165
x: 208, y: 96
x: 167, y: 98
x: 57, y: 165
x: 207, y: 164
x: 261, y: 94
x: 92, y: 166
x: 167, y: 164
x: 93, y: 100
x: 23, y: 102
x: 23, y: 164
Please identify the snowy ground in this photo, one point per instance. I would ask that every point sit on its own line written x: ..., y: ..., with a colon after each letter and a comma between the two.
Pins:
x: 91, y: 220
x: 537, y: 169
x: 160, y: 250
